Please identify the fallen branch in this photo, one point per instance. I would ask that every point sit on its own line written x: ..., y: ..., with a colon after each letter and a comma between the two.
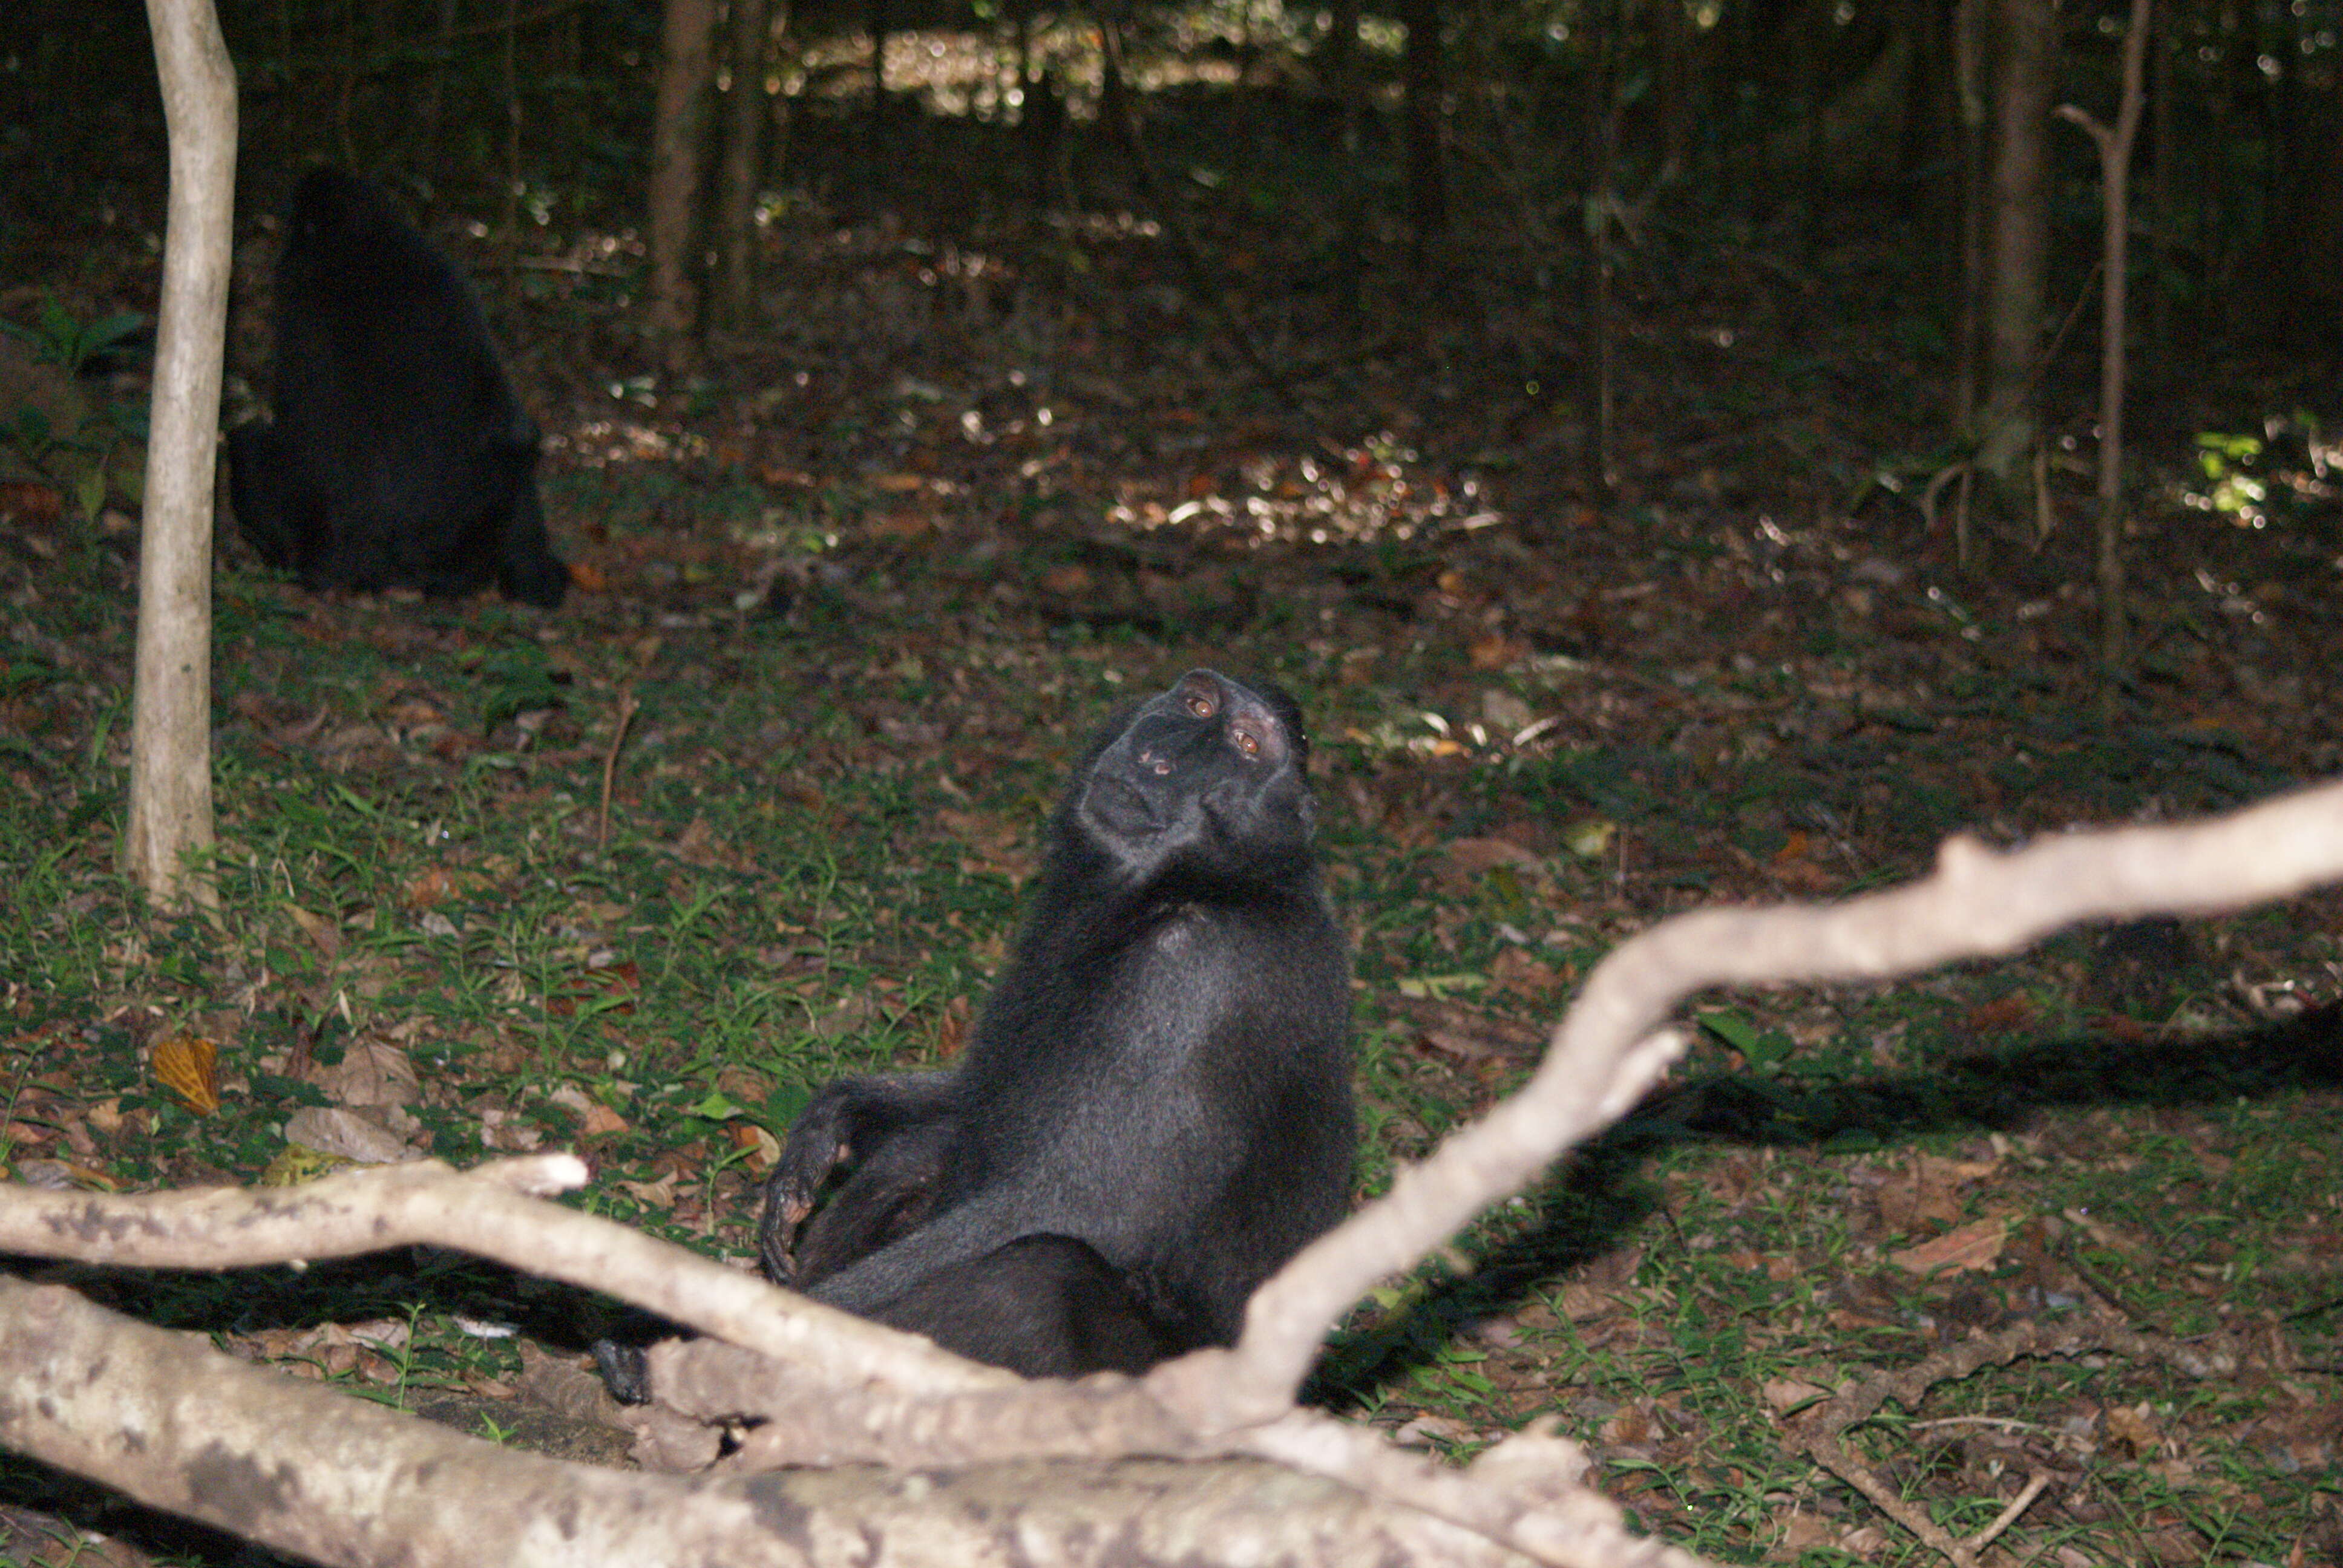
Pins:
x: 1820, y: 1433
x: 828, y: 1388
x: 1605, y: 1053
x: 304, y: 1468
x: 832, y: 1389
x: 487, y: 1214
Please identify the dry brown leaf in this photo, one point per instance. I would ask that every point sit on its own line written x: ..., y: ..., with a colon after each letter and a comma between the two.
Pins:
x: 2003, y: 1015
x: 188, y: 1066
x: 371, y: 1072
x: 759, y: 1149
x: 28, y: 502
x: 658, y: 1194
x: 900, y: 524
x: 429, y: 887
x: 619, y: 980
x: 1517, y: 971
x: 1801, y: 1531
x: 333, y: 1130
x: 696, y: 845
x: 2133, y: 1432
x: 1915, y: 1200
x: 1472, y: 855
x: 1787, y: 1393
x: 951, y: 1029
x: 1498, y: 651
x: 1808, y: 877
x: 1493, y: 1033
x: 62, y: 1175
x: 1973, y: 1247
x: 1463, y: 1047
x: 322, y: 933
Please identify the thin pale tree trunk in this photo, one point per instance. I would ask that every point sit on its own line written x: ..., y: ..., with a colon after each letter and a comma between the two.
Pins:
x: 2115, y: 185
x: 171, y: 707
x: 1603, y: 137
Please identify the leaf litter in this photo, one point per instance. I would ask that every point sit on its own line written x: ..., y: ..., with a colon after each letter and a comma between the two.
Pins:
x: 869, y: 592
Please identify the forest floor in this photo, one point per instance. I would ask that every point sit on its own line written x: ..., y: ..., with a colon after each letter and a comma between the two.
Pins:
x: 848, y: 605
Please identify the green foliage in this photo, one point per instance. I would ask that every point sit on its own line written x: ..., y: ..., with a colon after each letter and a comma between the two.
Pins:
x: 57, y: 338
x: 52, y: 433
x: 2253, y: 478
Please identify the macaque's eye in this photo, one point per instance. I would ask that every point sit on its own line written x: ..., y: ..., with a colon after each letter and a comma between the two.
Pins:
x: 1201, y: 705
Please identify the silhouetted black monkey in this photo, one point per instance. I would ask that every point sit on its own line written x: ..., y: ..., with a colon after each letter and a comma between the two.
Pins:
x: 398, y: 455
x: 1155, y: 1109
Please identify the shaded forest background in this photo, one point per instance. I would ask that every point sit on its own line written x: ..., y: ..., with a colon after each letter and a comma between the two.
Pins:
x: 1594, y: 411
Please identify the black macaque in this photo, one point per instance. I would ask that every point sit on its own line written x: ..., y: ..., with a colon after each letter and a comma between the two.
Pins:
x: 398, y: 455
x: 1154, y: 1112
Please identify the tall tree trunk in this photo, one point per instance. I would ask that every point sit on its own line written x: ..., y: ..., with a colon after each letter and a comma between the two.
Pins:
x: 2160, y: 209
x: 1427, y: 184
x: 171, y: 700
x: 881, y: 23
x: 1674, y: 39
x: 2019, y: 232
x: 744, y: 125
x: 1969, y: 107
x: 2115, y: 144
x: 1602, y: 139
x: 1343, y: 80
x: 679, y: 143
x: 508, y: 226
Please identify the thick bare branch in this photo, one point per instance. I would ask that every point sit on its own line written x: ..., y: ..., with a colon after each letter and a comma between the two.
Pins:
x: 829, y: 1388
x: 1605, y: 1054
x: 874, y: 1395
x: 307, y: 1470
x: 484, y: 1213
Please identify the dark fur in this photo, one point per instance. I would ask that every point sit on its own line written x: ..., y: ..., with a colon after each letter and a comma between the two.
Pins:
x: 1155, y: 1109
x: 398, y: 455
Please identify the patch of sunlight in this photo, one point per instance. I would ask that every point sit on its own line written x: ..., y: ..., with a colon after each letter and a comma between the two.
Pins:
x: 606, y: 443
x: 1371, y: 490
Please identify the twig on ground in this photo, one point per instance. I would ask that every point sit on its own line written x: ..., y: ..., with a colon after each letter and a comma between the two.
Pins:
x: 1818, y: 1433
x: 626, y: 716
x: 1605, y: 1053
x: 866, y: 1391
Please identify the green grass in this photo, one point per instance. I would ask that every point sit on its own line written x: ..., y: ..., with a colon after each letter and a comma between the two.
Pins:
x: 811, y: 866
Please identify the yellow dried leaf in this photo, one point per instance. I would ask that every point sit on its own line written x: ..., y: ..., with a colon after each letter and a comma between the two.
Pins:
x: 297, y: 1162
x: 188, y: 1066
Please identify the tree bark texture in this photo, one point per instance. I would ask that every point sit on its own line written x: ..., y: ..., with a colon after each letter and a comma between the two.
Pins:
x: 171, y: 705
x: 303, y: 1469
x: 744, y: 127
x: 2115, y: 144
x: 1345, y: 82
x: 679, y: 145
x: 981, y: 1467
x: 1427, y: 180
x: 2018, y: 226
